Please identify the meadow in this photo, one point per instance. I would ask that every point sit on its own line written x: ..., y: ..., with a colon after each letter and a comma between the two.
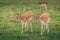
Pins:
x: 11, y: 30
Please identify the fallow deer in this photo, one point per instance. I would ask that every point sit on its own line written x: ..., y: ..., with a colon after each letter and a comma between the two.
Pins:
x: 43, y: 5
x: 44, y: 20
x: 25, y: 19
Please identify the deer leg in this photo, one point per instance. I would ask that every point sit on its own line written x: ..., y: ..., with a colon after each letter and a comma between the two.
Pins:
x: 47, y: 28
x: 22, y: 27
x: 42, y: 8
x: 41, y: 29
x: 45, y: 7
x: 31, y: 26
x: 44, y: 28
x: 26, y: 26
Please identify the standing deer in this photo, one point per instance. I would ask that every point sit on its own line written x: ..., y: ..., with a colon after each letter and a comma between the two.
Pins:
x: 43, y: 5
x: 44, y: 20
x: 25, y: 19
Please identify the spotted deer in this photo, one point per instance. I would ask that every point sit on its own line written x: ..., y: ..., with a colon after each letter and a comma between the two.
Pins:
x: 44, y: 20
x: 25, y: 18
x: 43, y: 5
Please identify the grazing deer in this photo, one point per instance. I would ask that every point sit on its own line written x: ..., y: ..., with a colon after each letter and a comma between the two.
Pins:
x: 43, y: 5
x: 24, y: 19
x: 44, y: 20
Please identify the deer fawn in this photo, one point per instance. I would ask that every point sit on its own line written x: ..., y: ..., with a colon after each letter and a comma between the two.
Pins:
x: 44, y: 20
x: 24, y: 19
x: 43, y: 5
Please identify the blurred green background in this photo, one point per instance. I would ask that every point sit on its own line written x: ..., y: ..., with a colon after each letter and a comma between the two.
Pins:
x: 11, y: 30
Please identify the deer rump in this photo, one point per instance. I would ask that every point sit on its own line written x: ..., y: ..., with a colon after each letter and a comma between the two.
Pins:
x: 45, y: 17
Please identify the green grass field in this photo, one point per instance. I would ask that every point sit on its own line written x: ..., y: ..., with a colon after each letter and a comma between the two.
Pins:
x: 11, y: 30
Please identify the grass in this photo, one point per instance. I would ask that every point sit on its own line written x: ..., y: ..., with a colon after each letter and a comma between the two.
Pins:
x: 11, y: 30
